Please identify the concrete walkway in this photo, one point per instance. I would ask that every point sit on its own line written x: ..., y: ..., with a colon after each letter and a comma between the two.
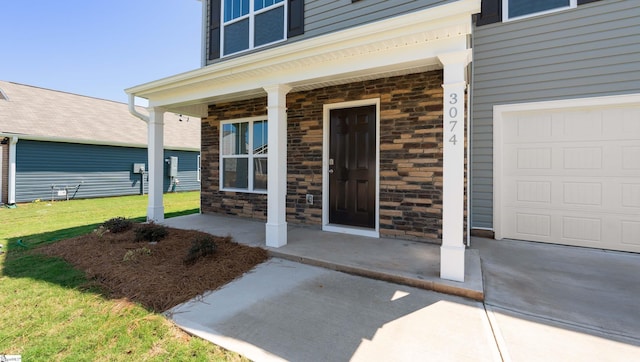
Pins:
x: 542, y: 302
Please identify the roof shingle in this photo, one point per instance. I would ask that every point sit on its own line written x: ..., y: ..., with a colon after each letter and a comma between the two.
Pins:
x: 48, y: 114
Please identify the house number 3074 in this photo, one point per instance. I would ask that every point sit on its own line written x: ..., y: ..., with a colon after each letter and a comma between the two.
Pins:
x: 453, y: 113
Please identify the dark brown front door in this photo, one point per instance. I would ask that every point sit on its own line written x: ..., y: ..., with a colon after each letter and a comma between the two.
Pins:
x: 352, y: 166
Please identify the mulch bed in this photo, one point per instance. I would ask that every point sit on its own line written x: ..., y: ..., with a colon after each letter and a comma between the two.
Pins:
x: 156, y: 277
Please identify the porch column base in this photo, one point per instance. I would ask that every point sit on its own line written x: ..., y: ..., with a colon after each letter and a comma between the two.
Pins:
x: 155, y: 214
x: 276, y: 234
x: 452, y: 262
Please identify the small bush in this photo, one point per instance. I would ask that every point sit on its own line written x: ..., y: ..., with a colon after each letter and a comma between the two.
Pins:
x: 117, y: 224
x: 150, y: 232
x: 200, y: 247
x: 100, y: 231
x: 133, y: 255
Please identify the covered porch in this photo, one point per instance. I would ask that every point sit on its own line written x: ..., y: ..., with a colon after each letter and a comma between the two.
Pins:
x: 404, y: 262
x: 432, y: 39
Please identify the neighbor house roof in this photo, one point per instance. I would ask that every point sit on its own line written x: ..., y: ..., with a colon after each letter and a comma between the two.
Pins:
x: 43, y: 114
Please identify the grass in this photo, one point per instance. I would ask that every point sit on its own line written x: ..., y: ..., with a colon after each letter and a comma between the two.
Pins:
x: 50, y: 312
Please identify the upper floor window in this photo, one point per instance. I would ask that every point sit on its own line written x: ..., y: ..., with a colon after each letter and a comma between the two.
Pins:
x: 249, y: 24
x: 239, y: 25
x: 243, y: 155
x: 514, y: 9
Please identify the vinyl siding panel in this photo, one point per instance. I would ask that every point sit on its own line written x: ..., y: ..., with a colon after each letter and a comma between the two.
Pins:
x: 589, y: 51
x: 327, y: 16
x: 99, y: 171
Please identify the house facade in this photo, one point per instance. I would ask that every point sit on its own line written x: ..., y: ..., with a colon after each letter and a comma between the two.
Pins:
x: 372, y: 111
x: 556, y: 123
x: 58, y: 146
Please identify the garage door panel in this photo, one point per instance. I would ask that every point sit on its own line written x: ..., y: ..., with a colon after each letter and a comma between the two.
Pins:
x: 582, y: 158
x: 581, y: 125
x: 575, y: 228
x: 582, y: 229
x: 582, y: 193
x: 533, y: 191
x: 630, y: 196
x: 572, y: 177
x: 631, y: 157
x: 630, y: 231
x: 535, y: 225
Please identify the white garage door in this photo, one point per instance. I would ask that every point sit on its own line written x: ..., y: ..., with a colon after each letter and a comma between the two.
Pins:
x: 570, y: 176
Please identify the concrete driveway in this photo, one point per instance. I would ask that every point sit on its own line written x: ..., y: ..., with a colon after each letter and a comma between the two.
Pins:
x: 562, y: 303
x: 542, y: 303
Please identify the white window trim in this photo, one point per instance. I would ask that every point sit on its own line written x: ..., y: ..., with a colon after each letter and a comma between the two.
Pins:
x: 505, y: 11
x: 250, y: 156
x: 346, y: 229
x: 251, y: 16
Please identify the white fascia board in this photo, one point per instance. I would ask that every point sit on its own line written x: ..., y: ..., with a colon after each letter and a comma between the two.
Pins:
x: 411, y: 37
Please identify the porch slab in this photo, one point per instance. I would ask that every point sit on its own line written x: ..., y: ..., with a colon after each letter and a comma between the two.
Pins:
x: 404, y: 262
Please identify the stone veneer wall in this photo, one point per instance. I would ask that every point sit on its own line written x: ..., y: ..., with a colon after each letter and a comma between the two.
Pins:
x: 410, y: 154
x: 211, y: 198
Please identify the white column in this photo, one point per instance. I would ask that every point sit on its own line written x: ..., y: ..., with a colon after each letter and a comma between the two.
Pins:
x: 155, y: 148
x: 11, y: 187
x: 453, y: 248
x: 276, y: 227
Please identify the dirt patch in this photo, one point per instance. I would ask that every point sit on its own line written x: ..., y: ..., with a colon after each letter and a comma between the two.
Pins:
x: 154, y: 274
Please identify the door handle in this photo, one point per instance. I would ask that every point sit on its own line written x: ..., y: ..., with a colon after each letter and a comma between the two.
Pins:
x: 330, y: 170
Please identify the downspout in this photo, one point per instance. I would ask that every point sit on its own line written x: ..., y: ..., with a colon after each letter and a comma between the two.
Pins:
x: 132, y: 109
x: 145, y: 118
x: 205, y: 34
x: 12, y: 171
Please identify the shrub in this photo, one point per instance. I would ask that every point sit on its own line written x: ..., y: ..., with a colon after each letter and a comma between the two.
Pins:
x: 100, y: 231
x: 150, y: 232
x: 132, y: 255
x: 200, y: 247
x: 117, y: 224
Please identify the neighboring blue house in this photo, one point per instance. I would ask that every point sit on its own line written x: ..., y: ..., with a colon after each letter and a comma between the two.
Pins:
x: 375, y: 108
x: 57, y: 145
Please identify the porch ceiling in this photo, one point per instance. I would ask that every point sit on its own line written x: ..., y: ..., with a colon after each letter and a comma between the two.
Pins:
x: 397, y: 46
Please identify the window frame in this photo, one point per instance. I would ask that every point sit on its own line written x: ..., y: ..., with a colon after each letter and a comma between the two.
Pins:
x: 251, y: 18
x: 505, y: 11
x: 250, y: 156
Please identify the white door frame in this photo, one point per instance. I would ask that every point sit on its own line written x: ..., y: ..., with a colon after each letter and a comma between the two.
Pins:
x: 326, y: 226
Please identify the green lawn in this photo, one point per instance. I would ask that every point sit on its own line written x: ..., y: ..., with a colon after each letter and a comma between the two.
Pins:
x: 49, y: 311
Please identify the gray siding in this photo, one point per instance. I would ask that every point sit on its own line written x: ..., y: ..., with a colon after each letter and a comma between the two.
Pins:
x: 328, y: 16
x: 590, y: 51
x: 99, y: 170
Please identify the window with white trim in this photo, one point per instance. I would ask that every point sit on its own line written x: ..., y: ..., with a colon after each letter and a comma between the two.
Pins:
x: 243, y: 155
x: 515, y: 9
x: 249, y: 24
